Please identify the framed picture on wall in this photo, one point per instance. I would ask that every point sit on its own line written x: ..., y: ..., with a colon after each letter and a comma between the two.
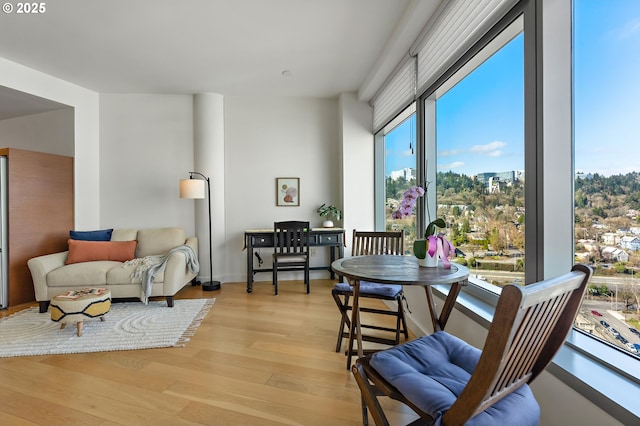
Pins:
x: 287, y: 191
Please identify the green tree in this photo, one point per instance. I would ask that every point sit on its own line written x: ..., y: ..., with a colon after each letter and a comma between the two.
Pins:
x: 496, y: 240
x: 599, y: 211
x: 620, y: 267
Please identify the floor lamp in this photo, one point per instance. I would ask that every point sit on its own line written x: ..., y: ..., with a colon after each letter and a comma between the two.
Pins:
x: 194, y: 188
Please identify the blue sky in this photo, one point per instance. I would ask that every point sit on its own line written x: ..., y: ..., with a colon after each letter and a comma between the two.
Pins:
x: 607, y: 86
x: 480, y: 120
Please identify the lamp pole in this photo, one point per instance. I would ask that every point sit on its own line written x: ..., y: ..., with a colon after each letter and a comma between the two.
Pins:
x: 210, y: 285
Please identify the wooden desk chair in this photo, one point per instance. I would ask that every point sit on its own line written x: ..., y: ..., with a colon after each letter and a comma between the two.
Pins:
x: 446, y: 380
x: 372, y: 243
x: 291, y: 249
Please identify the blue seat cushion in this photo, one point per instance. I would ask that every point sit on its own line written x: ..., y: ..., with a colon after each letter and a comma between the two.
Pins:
x: 367, y: 288
x: 432, y: 371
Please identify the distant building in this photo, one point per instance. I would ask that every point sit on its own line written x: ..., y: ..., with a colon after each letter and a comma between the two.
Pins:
x: 614, y: 254
x: 584, y: 323
x: 588, y: 244
x: 581, y: 175
x: 507, y: 178
x: 406, y: 173
x: 582, y: 256
x: 630, y: 243
x: 494, y: 184
x: 611, y: 238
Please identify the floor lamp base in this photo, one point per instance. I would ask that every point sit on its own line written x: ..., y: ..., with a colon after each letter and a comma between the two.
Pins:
x: 211, y: 286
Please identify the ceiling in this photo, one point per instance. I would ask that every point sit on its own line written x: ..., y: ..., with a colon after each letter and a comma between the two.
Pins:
x: 309, y: 48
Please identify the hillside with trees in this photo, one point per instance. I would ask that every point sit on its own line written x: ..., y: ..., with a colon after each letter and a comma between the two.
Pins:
x: 607, y: 200
x: 475, y: 218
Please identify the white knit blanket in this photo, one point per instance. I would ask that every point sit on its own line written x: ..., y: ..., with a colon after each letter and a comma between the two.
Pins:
x: 148, y: 267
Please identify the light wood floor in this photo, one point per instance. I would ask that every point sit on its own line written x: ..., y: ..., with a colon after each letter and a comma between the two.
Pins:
x: 256, y: 359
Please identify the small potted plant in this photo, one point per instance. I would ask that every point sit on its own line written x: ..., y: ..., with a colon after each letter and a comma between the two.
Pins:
x: 329, y: 212
x: 434, y: 246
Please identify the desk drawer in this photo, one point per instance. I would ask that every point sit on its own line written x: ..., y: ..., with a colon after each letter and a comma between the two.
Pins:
x: 329, y: 240
x: 261, y: 240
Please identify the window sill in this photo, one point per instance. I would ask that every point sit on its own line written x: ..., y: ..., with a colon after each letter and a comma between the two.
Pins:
x: 612, y: 385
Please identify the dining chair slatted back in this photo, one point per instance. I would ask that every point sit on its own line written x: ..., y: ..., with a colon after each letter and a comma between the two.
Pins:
x: 291, y: 249
x: 368, y: 243
x: 375, y: 243
x: 529, y: 326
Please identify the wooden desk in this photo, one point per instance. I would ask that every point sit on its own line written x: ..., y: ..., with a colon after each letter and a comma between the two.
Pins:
x: 402, y: 270
x: 333, y: 238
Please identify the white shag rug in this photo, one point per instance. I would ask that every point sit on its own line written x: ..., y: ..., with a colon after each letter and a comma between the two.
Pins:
x: 127, y: 326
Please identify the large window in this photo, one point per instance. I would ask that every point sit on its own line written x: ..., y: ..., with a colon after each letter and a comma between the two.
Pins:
x: 400, y: 172
x: 479, y: 137
x: 606, y: 76
x: 478, y: 118
x: 494, y: 141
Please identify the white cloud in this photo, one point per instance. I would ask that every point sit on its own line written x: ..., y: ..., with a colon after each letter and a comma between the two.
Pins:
x: 491, y: 146
x: 449, y: 153
x: 628, y: 30
x: 491, y: 149
x: 451, y: 166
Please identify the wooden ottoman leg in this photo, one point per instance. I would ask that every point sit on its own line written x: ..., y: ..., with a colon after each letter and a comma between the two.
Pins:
x: 79, y: 325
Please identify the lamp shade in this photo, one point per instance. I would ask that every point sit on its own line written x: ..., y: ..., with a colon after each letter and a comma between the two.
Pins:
x: 191, y: 188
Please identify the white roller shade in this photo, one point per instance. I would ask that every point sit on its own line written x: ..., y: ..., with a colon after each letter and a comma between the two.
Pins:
x: 451, y: 32
x: 395, y: 95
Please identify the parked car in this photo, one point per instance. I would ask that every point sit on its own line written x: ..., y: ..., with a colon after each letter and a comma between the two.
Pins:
x: 634, y: 331
x: 613, y: 331
x: 637, y: 346
x: 604, y: 323
x: 596, y: 313
x: 632, y: 347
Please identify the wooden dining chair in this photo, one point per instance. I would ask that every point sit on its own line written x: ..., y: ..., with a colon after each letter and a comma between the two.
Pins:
x: 291, y: 250
x: 449, y: 382
x: 372, y: 243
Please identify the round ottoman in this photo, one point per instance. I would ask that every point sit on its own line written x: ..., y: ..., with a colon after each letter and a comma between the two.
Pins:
x: 77, y: 306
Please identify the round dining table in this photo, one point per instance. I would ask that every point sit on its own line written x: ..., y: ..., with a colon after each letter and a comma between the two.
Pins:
x: 404, y: 270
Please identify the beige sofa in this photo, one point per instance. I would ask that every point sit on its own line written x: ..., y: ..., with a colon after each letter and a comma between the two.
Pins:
x: 51, y: 276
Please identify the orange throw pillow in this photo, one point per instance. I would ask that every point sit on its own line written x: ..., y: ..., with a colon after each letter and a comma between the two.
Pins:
x: 87, y: 251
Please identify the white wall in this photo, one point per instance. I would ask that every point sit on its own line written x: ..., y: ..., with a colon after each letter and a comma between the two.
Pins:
x: 357, y: 165
x: 270, y: 137
x: 85, y: 129
x: 208, y: 149
x: 146, y: 147
x: 50, y: 132
x: 561, y: 405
